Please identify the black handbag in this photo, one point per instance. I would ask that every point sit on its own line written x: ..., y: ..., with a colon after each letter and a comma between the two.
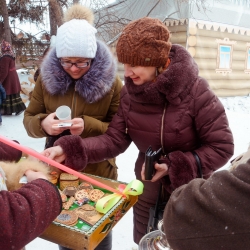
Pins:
x: 198, y: 162
x: 156, y: 212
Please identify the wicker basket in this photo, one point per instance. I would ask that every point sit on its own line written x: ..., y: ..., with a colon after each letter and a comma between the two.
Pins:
x: 67, y: 180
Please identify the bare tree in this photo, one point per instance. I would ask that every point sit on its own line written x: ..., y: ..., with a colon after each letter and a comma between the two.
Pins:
x: 107, y: 22
x: 110, y: 22
x: 27, y: 46
x: 27, y: 10
x: 6, y: 28
x: 56, y: 15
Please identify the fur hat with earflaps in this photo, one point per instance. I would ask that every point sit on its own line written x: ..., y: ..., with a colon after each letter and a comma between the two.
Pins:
x: 144, y: 42
x: 76, y: 37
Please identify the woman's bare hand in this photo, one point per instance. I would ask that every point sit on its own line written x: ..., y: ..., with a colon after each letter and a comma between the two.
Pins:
x: 55, y: 153
x: 32, y: 175
x: 160, y: 171
x: 77, y: 126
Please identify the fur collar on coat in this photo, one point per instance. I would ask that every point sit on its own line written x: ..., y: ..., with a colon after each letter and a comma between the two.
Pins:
x: 173, y: 85
x: 92, y: 86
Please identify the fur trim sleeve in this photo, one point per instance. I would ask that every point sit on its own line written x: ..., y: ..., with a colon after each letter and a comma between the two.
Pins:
x: 181, y: 168
x: 74, y: 149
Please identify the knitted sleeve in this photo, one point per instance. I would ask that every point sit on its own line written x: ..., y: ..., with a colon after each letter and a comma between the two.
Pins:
x: 27, y: 212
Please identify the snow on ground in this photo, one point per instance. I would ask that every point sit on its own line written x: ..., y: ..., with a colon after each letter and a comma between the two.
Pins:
x: 238, y: 112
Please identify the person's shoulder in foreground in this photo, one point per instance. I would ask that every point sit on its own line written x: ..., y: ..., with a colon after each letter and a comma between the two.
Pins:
x: 27, y: 211
x: 211, y: 214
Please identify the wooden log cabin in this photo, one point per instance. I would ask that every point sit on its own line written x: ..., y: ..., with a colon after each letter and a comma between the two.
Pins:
x: 218, y: 37
x: 221, y: 51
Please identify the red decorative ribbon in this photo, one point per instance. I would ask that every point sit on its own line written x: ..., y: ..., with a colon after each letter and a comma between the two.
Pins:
x: 57, y: 165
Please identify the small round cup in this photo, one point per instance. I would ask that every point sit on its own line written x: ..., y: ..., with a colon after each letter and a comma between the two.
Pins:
x: 63, y: 113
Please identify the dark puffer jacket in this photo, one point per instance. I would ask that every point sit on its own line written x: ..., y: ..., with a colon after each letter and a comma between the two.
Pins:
x: 179, y: 113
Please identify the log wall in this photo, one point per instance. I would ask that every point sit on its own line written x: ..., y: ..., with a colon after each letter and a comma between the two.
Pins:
x: 204, y: 47
x: 178, y: 34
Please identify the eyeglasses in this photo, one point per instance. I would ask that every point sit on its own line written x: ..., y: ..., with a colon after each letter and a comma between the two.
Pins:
x: 80, y: 65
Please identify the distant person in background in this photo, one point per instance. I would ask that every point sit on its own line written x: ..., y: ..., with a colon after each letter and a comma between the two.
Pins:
x: 2, y: 99
x: 10, y: 81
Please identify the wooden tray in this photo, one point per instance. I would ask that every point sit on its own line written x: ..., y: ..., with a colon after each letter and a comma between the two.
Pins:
x: 74, y: 238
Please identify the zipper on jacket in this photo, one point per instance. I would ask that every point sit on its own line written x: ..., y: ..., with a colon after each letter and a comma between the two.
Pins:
x: 126, y: 119
x: 162, y: 125
x: 73, y: 105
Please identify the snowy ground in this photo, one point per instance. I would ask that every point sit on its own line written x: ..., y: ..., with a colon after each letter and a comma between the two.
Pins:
x: 238, y: 111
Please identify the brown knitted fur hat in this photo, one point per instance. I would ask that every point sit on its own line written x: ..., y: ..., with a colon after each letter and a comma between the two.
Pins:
x: 144, y: 42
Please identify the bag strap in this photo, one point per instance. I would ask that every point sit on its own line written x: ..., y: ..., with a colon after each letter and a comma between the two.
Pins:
x: 198, y: 161
x: 157, y: 203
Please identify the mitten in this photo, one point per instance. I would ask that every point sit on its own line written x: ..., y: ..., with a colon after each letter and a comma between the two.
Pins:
x: 76, y: 156
x: 181, y: 168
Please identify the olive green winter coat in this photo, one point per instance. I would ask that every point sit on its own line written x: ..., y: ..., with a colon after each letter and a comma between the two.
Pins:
x: 93, y: 97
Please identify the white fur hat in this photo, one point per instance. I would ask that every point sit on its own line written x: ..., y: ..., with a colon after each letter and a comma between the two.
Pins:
x: 76, y: 37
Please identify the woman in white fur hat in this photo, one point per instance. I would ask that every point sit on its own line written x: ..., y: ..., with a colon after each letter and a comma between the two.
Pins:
x: 80, y: 72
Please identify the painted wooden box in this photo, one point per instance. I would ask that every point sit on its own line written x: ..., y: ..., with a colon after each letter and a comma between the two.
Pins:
x: 88, y: 237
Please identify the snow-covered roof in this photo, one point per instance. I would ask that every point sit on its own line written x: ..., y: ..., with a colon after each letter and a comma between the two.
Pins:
x: 207, y: 25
